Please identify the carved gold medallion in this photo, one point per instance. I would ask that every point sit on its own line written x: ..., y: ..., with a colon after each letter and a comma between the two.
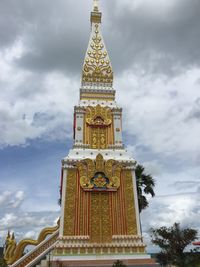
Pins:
x: 99, y: 175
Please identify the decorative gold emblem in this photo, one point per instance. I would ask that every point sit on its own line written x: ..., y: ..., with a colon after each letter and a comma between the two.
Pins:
x: 100, y: 181
x: 99, y: 174
x: 98, y: 116
x: 97, y: 67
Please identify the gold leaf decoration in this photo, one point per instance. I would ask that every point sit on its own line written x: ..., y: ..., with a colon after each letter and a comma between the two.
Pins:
x: 99, y: 174
x: 97, y: 67
x: 98, y: 116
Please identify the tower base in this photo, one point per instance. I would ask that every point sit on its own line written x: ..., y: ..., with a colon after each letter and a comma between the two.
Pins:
x: 136, y: 260
x: 79, y: 251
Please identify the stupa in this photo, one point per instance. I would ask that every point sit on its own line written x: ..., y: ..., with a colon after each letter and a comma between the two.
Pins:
x: 99, y: 220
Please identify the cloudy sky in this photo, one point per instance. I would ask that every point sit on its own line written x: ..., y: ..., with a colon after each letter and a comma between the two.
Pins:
x: 154, y: 48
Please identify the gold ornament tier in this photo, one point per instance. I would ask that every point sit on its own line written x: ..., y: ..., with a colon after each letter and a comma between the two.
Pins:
x: 81, y: 245
x: 97, y: 66
x: 99, y: 215
x: 95, y: 17
x: 97, y: 96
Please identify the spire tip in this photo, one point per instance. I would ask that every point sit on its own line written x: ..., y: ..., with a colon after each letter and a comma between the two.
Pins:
x: 96, y: 5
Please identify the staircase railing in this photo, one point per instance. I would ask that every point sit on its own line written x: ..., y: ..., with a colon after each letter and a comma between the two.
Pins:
x: 37, y: 254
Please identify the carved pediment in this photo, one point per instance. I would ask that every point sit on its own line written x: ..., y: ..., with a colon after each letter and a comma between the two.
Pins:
x: 98, y: 116
x: 99, y: 175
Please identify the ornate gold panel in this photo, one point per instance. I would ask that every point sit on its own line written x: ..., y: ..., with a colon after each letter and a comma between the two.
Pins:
x: 69, y: 211
x: 98, y: 116
x: 98, y: 138
x: 94, y: 138
x: 130, y: 203
x: 97, y: 66
x: 100, y: 218
x: 97, y: 96
x: 99, y: 174
x: 98, y: 127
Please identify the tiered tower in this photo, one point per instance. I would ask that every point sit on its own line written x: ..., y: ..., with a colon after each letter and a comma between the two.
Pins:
x: 99, y: 206
x: 100, y: 217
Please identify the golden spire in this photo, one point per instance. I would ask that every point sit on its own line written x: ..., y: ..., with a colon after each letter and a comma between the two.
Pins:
x: 96, y: 5
x: 97, y: 67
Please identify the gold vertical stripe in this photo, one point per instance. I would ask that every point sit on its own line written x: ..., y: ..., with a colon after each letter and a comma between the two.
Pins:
x: 111, y: 213
x: 117, y: 213
x: 100, y: 218
x: 112, y: 130
x: 94, y: 217
x: 86, y: 213
x: 105, y: 218
x: 77, y: 202
x: 89, y: 213
x: 120, y: 211
x: 69, y: 211
x: 84, y: 130
x: 81, y: 212
x: 130, y: 203
x: 122, y: 208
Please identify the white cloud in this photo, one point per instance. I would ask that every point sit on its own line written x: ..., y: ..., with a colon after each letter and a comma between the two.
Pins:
x: 152, y: 6
x: 4, y: 197
x: 19, y: 198
x: 166, y: 210
x: 25, y: 224
x: 34, y: 106
x: 157, y: 109
x: 31, y: 234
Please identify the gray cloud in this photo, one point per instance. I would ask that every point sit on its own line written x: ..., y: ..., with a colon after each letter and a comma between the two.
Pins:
x: 55, y: 35
x: 188, y: 185
x: 195, y: 111
x: 155, y: 37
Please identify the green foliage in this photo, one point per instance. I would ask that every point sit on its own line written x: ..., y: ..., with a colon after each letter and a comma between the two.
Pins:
x: 2, y: 263
x: 119, y: 264
x: 173, y: 241
x: 145, y: 186
x: 193, y: 258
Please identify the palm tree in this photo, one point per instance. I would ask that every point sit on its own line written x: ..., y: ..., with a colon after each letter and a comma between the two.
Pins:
x: 145, y: 186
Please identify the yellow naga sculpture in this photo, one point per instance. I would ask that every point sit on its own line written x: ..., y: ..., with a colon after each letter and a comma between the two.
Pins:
x: 10, y: 247
x: 99, y: 175
x: 14, y: 251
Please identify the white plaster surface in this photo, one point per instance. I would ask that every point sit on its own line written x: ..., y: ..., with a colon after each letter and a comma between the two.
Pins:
x: 121, y: 155
x: 103, y: 257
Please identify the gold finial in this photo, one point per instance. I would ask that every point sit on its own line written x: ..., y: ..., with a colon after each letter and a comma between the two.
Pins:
x: 96, y: 5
